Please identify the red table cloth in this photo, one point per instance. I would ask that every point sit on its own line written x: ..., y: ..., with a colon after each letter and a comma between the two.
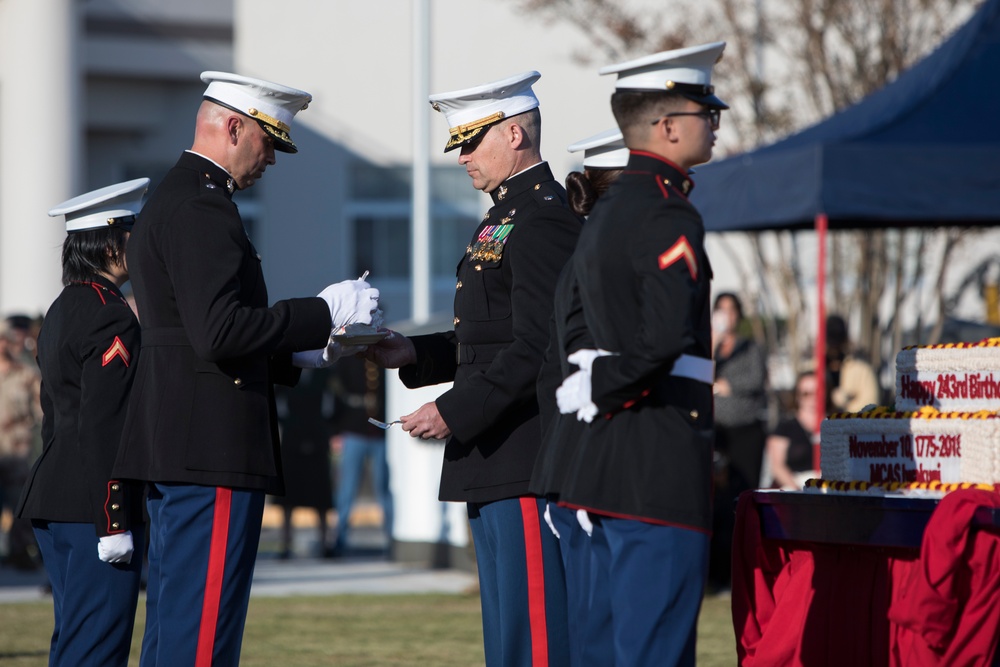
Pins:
x: 813, y: 604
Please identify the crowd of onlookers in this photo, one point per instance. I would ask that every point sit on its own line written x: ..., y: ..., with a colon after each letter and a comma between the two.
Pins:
x: 20, y: 434
x: 767, y: 436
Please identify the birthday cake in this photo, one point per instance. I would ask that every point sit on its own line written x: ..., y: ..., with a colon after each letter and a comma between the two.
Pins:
x: 882, y: 446
x: 943, y: 433
x: 955, y: 377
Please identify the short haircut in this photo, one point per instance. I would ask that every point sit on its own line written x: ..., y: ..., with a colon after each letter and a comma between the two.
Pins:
x: 635, y: 111
x: 531, y: 122
x: 88, y: 254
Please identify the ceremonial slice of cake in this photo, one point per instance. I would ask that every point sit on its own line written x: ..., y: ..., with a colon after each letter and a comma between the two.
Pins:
x: 922, y: 446
x: 951, y: 377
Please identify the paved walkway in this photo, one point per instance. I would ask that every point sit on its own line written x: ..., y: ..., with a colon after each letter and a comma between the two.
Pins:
x: 366, y: 570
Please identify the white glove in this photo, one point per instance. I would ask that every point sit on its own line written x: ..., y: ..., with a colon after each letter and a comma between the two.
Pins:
x: 574, y: 392
x: 351, y: 302
x: 548, y: 520
x: 583, y: 519
x: 116, y: 548
x: 325, y: 357
x: 573, y: 395
x: 585, y: 358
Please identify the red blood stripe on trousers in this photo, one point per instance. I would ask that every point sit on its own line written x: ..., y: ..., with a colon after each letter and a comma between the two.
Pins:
x: 213, y: 580
x: 536, y: 583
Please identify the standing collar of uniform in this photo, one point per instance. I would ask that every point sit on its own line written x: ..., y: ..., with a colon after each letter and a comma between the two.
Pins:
x: 101, y: 283
x: 676, y: 176
x: 522, y: 181
x: 212, y: 169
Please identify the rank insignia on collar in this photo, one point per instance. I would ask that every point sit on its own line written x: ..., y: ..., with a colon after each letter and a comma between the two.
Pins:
x: 686, y: 186
x: 678, y: 251
x: 117, y: 349
x: 230, y: 185
x: 502, y: 192
x: 489, y: 245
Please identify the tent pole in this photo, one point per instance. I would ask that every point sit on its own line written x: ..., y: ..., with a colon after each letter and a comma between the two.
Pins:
x: 821, y: 227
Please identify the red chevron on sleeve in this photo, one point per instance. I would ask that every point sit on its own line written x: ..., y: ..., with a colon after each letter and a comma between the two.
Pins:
x: 681, y: 250
x: 117, y: 349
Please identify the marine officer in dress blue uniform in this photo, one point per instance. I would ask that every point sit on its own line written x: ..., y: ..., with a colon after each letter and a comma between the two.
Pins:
x: 503, y: 301
x: 88, y: 523
x: 201, y: 425
x: 604, y: 157
x: 643, y: 470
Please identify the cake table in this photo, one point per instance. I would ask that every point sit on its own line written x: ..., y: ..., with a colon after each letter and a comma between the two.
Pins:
x: 829, y: 579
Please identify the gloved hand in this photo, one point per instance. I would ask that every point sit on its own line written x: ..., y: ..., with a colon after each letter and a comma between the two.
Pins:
x: 548, y: 520
x: 585, y: 358
x: 116, y: 548
x: 574, y: 392
x: 573, y: 395
x: 583, y: 519
x: 325, y: 357
x: 350, y: 302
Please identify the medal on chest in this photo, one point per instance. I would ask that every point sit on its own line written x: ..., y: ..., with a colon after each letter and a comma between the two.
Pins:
x: 489, y: 245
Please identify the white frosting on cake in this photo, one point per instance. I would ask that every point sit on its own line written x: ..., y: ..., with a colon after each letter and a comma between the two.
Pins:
x: 883, y: 446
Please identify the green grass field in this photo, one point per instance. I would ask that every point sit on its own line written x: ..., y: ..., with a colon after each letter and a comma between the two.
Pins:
x: 347, y: 631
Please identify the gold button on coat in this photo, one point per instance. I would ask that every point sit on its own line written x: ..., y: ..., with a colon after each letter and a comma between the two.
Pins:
x: 479, y: 267
x: 238, y: 382
x: 114, y: 487
x: 115, y: 525
x: 457, y: 320
x: 694, y: 414
x: 115, y: 506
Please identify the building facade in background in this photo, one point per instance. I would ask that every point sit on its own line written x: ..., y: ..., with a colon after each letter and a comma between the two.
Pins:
x: 115, y: 85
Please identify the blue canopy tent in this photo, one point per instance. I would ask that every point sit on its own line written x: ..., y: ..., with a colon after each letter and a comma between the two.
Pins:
x: 923, y: 151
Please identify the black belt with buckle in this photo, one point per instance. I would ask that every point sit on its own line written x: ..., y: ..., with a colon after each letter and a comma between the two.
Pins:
x: 482, y: 353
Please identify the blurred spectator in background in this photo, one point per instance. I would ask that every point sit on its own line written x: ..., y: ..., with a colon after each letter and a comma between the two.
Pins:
x: 20, y: 414
x: 850, y: 380
x: 740, y: 409
x: 304, y: 412
x: 359, y: 393
x: 790, y: 445
x: 24, y: 338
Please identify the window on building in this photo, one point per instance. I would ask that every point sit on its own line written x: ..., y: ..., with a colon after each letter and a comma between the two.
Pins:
x: 380, y: 216
x: 382, y: 244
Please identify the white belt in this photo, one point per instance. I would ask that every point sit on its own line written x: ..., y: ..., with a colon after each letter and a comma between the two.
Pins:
x: 694, y: 368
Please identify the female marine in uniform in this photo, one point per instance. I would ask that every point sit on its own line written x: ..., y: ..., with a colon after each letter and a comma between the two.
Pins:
x: 88, y: 525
